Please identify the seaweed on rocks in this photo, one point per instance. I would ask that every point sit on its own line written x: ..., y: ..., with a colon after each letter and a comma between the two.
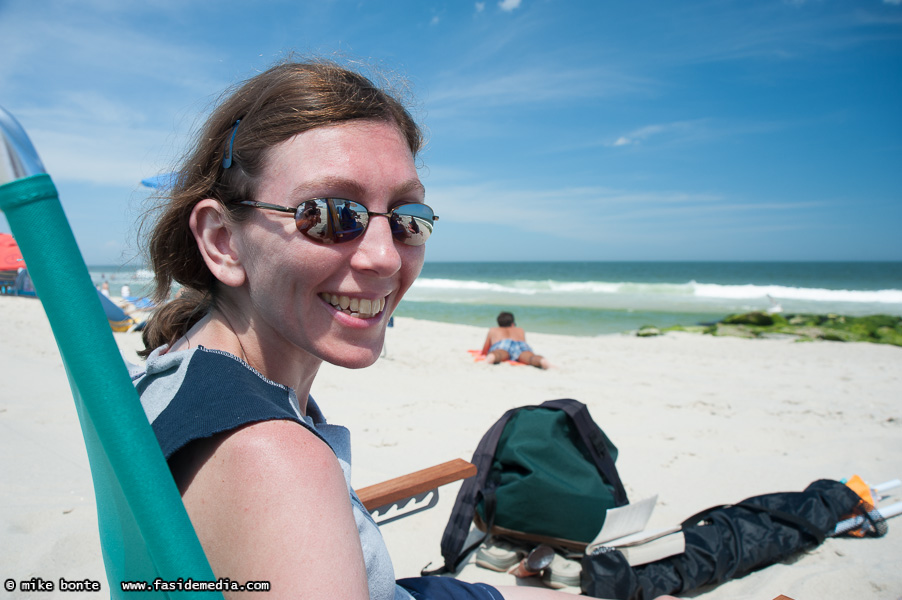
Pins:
x: 878, y: 329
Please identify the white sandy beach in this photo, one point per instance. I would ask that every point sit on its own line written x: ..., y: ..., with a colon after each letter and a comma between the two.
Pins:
x: 698, y: 420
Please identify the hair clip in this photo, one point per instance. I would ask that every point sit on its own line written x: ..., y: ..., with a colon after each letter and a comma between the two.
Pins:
x: 227, y: 159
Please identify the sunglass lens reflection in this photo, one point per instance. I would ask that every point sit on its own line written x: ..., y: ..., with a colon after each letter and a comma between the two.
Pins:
x: 349, y: 219
x: 334, y: 221
x: 312, y: 220
x: 331, y: 222
x: 411, y: 224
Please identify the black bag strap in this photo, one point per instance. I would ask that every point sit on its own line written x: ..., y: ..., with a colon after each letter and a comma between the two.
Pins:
x: 489, y: 505
x: 472, y: 490
x: 596, y: 441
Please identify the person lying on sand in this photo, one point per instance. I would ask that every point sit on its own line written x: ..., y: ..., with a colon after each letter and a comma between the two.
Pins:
x: 508, y: 342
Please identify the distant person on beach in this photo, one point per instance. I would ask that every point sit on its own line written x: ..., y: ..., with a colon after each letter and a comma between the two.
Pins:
x: 23, y: 281
x: 508, y: 342
x: 268, y: 297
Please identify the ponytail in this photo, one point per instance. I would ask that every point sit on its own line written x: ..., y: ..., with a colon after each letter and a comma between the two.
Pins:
x: 173, y: 320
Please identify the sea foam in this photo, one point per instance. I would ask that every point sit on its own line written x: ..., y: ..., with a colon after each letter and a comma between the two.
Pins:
x: 685, y: 290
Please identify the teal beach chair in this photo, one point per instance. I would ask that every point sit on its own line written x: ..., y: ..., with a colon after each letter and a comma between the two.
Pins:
x: 145, y: 532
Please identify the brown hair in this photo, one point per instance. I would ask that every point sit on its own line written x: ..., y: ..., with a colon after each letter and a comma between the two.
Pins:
x: 505, y: 319
x: 275, y: 105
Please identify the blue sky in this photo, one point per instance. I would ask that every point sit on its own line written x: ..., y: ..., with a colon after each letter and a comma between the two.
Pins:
x: 564, y: 130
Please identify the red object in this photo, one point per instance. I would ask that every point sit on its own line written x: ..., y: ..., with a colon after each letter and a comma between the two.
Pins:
x: 478, y: 356
x: 10, y: 255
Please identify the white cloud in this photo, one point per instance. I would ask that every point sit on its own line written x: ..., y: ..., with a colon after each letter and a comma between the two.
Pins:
x: 89, y: 138
x: 480, y: 6
x: 598, y: 209
x: 602, y: 212
x: 509, y: 5
x: 532, y: 85
x: 637, y: 136
x: 102, y: 110
x: 99, y: 156
x: 893, y: 2
x: 88, y: 50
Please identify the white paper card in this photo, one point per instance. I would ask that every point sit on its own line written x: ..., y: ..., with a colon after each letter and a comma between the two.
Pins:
x: 625, y: 520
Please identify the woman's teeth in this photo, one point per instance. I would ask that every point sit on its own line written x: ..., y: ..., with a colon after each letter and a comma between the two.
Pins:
x: 362, y: 308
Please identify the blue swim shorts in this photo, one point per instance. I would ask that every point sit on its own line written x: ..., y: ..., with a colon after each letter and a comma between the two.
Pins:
x: 446, y: 588
x: 512, y: 347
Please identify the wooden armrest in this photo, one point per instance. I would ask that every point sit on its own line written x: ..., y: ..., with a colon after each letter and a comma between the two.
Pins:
x: 418, y: 482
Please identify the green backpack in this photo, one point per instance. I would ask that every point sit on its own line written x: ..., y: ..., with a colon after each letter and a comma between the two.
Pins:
x: 546, y: 475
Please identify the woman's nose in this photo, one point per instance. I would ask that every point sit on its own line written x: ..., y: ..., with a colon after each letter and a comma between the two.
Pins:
x: 377, y: 251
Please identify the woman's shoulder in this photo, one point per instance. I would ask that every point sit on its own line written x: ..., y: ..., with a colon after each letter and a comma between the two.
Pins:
x: 277, y: 450
x: 198, y: 393
x: 203, y: 362
x: 281, y: 493
x: 277, y: 445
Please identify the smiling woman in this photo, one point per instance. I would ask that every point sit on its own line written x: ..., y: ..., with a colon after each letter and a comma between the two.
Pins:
x: 230, y: 363
x: 227, y: 166
x: 264, y: 301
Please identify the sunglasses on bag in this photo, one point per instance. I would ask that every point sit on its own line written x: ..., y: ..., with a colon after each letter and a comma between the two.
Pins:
x: 336, y: 220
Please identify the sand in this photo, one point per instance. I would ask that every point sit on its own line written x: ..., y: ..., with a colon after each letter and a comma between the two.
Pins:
x: 698, y: 420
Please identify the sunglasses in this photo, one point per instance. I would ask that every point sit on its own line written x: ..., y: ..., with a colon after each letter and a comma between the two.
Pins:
x: 336, y: 220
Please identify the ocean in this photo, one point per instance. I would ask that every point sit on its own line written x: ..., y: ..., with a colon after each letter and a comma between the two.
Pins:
x: 597, y: 298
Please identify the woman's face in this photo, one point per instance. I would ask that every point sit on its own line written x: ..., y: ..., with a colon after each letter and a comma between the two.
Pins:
x: 293, y: 283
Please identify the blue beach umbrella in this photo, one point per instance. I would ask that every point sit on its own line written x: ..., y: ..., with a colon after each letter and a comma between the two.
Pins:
x: 160, y: 182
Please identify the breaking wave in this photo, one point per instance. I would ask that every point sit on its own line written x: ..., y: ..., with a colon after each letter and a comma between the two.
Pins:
x: 689, y: 296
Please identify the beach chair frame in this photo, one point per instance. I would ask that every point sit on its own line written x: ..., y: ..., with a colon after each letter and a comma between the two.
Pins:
x: 145, y: 533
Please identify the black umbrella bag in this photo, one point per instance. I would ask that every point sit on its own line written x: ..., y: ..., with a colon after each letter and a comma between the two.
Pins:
x: 726, y: 542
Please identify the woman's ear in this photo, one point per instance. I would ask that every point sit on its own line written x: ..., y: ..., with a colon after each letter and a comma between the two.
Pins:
x: 216, y: 240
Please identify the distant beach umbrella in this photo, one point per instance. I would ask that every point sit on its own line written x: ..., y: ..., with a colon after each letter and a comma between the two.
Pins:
x: 160, y: 182
x: 10, y: 255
